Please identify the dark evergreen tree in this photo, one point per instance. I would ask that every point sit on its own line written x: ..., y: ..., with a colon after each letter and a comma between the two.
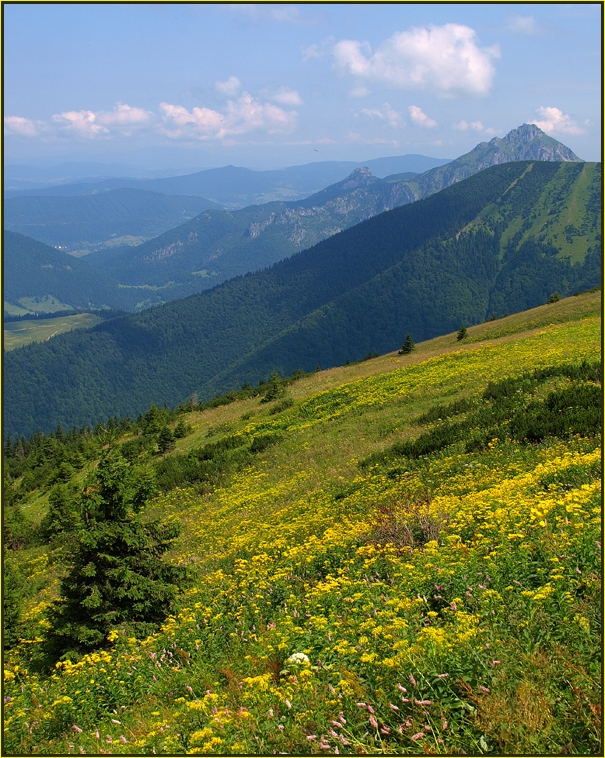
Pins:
x: 275, y: 389
x: 182, y: 429
x: 165, y: 440
x: 461, y: 333
x: 117, y: 574
x: 408, y: 345
x: 64, y: 512
x: 12, y: 595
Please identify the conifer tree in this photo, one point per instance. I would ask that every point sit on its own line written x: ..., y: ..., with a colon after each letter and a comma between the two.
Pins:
x: 461, y: 333
x: 408, y: 345
x: 275, y: 389
x: 117, y: 574
x: 165, y: 440
x: 182, y: 429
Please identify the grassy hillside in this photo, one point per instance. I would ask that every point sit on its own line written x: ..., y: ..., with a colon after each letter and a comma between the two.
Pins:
x: 399, y: 556
x: 19, y: 333
x: 423, y: 268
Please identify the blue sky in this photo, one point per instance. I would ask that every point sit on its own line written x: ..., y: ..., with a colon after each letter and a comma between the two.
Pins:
x: 276, y: 85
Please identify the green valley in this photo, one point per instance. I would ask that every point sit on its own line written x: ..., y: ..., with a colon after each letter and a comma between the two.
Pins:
x: 39, y: 278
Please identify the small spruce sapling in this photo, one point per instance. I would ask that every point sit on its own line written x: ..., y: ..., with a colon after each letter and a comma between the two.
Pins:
x: 461, y: 333
x: 408, y: 345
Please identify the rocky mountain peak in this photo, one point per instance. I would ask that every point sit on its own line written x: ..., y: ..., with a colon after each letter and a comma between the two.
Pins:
x: 529, y: 142
x: 359, y: 177
x: 524, y: 134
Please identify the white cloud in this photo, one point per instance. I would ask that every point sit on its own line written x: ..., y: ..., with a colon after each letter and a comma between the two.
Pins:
x: 287, y: 96
x: 554, y: 121
x: 359, y: 92
x: 522, y: 25
x: 82, y: 122
x: 243, y: 115
x: 24, y: 127
x: 420, y: 118
x: 387, y: 114
x: 122, y: 119
x: 238, y: 116
x: 124, y: 115
x: 229, y: 87
x: 445, y: 59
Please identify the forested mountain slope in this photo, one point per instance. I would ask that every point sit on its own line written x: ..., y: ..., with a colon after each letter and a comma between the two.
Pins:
x: 510, y: 234
x: 34, y: 273
x: 90, y: 222
x: 218, y: 245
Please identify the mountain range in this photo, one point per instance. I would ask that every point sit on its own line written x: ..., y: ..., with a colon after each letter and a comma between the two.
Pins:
x: 216, y: 246
x: 502, y: 240
x: 236, y: 187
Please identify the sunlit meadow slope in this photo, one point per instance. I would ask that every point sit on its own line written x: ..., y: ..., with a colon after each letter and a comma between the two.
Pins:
x: 350, y: 598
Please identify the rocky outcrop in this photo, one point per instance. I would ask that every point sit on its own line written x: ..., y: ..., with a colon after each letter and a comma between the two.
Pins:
x: 526, y: 143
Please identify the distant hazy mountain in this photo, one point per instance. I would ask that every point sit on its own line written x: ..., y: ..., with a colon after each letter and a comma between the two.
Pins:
x: 236, y: 187
x: 93, y: 221
x: 23, y: 177
x: 218, y: 245
x: 35, y: 274
x: 526, y: 143
x: 501, y: 240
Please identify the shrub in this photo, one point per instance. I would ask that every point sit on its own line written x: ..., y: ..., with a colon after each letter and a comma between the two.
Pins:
x: 286, y: 403
x: 263, y: 441
x: 408, y: 345
x: 406, y: 524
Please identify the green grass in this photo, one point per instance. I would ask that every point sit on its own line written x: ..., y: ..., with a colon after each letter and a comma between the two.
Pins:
x: 446, y: 604
x: 46, y: 304
x: 19, y: 333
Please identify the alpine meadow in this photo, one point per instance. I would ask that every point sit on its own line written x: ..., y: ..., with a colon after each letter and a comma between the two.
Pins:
x: 401, y: 555
x: 302, y: 379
